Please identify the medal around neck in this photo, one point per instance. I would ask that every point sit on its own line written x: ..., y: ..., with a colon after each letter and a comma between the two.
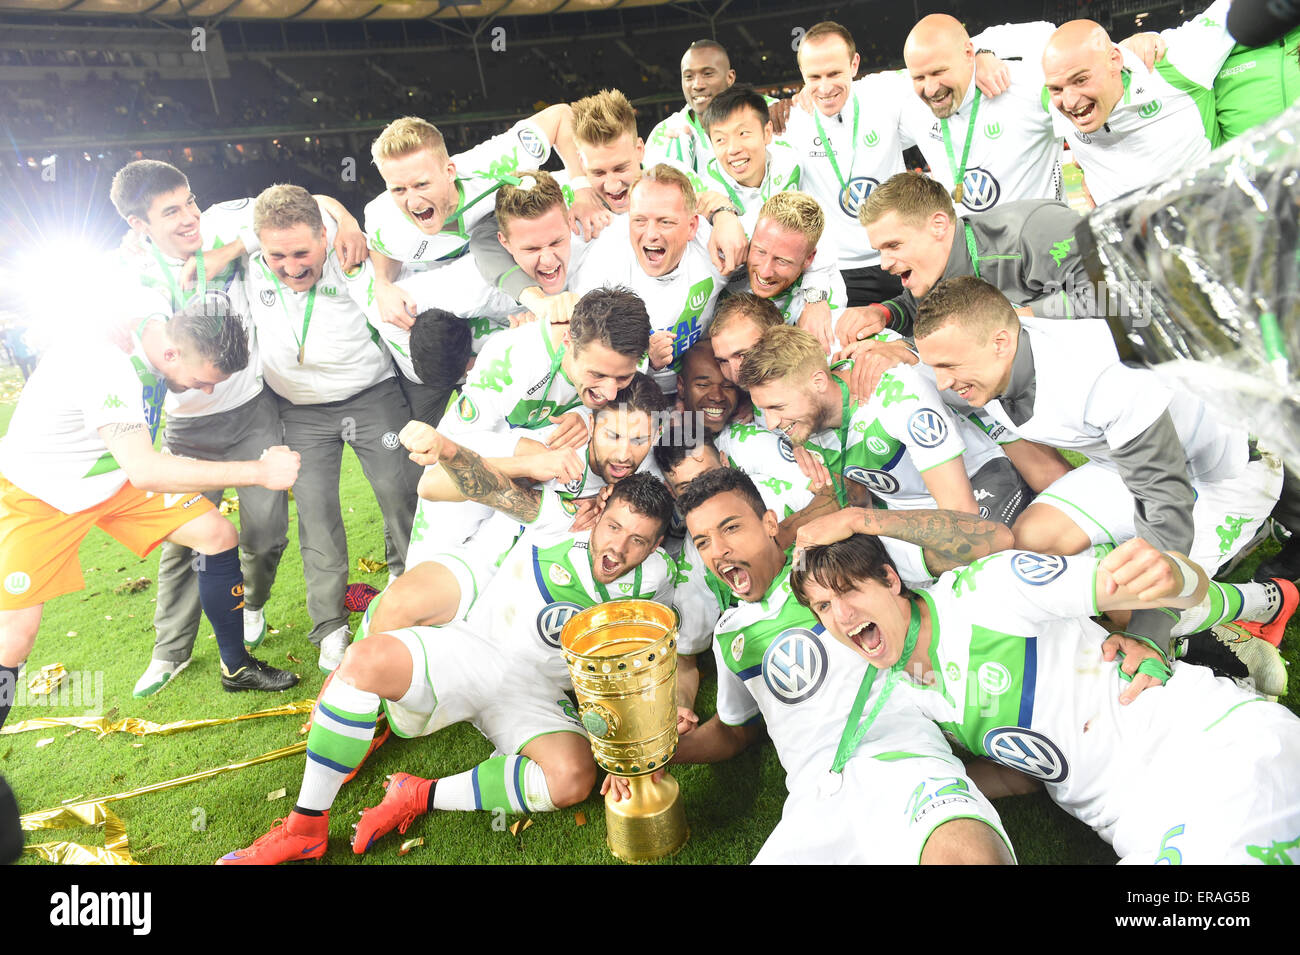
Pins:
x: 622, y: 656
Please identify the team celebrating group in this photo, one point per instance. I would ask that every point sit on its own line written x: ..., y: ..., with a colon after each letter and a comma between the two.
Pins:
x: 752, y: 369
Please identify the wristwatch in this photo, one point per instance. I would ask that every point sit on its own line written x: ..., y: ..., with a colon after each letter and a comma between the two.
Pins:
x: 811, y: 296
x: 732, y: 209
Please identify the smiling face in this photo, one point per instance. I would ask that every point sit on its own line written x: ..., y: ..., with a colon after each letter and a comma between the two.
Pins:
x: 740, y: 143
x: 172, y: 223
x: 731, y: 344
x: 597, y: 372
x: 941, y: 69
x: 423, y: 184
x: 620, y: 441
x: 777, y: 257
x: 703, y: 390
x: 828, y: 70
x: 541, y: 248
x: 871, y: 619
x: 660, y: 226
x: 699, y: 460
x: 1084, y: 79
x: 296, y: 254
x: 917, y: 254
x: 739, y: 546
x: 976, y: 371
x: 705, y: 73
x: 613, y: 168
x: 796, y: 405
x: 621, y: 540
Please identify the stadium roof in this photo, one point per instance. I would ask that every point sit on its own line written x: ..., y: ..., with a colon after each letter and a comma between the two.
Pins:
x: 199, y: 10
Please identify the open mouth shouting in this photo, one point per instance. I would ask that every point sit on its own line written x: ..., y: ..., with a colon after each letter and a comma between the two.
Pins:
x: 1082, y: 115
x: 654, y: 254
x: 617, y: 201
x: 867, y: 638
x: 611, y: 568
x: 615, y: 472
x: 425, y: 214
x: 551, y: 279
x: 736, y: 577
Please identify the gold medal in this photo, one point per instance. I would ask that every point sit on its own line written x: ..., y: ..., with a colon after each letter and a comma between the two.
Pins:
x: 300, y: 354
x: 957, y: 192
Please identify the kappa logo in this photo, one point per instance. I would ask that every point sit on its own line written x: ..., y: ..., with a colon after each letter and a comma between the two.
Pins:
x: 882, y: 482
x: 113, y: 401
x: 18, y: 583
x: 794, y: 666
x: 877, y: 445
x: 1150, y: 109
x: 855, y: 193
x: 532, y: 143
x: 419, y: 249
x: 389, y: 440
x: 1083, y: 138
x: 1037, y: 569
x: 993, y: 678
x: 267, y: 295
x: 979, y: 190
x: 927, y: 428
x: 1028, y: 751
x: 1059, y: 251
x: 551, y: 620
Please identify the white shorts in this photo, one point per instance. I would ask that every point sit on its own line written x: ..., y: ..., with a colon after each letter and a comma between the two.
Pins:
x: 443, y: 525
x: 1225, y: 517
x: 899, y: 787
x: 474, y: 563
x: 1220, y: 790
x: 457, y: 677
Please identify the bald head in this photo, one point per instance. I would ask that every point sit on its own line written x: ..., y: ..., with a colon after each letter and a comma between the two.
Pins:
x: 941, y: 62
x: 1082, y: 69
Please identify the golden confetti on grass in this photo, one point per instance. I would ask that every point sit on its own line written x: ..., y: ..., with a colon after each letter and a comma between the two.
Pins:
x: 48, y: 679
x: 291, y: 658
x: 275, y: 794
x: 140, y: 727
x: 410, y: 844
x: 368, y: 566
x: 133, y: 586
x: 526, y: 825
x: 228, y: 505
x: 514, y: 827
x: 580, y: 818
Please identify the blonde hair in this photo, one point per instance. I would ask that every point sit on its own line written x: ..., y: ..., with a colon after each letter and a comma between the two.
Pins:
x: 533, y: 202
x: 782, y: 352
x: 672, y: 177
x: 911, y: 196
x: 283, y: 206
x: 796, y: 212
x: 603, y: 117
x: 404, y: 136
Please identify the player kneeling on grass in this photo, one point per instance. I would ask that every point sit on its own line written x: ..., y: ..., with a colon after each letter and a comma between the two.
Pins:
x: 1003, y: 656
x: 79, y: 454
x: 501, y: 670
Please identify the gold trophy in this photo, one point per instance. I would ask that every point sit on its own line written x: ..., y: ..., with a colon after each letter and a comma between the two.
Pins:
x: 622, y: 656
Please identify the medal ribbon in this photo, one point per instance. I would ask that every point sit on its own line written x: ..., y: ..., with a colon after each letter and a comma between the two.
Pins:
x: 830, y: 151
x: 601, y: 589
x: 306, y: 318
x: 970, y: 248
x: 179, y: 298
x: 958, y: 186
x: 856, y: 728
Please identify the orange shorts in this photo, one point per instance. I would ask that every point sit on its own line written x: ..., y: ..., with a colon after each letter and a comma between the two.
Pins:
x: 38, y: 543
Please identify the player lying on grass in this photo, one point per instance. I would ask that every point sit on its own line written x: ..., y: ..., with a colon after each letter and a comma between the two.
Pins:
x: 1002, y: 655
x: 501, y: 669
x: 777, y: 669
x: 79, y: 454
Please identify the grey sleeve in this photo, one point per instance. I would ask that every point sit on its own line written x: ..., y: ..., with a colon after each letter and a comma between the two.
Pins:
x: 902, y: 313
x: 1154, y: 468
x: 1054, y: 279
x: 495, y: 264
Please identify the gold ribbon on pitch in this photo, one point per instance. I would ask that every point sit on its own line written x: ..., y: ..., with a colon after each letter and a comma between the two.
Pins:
x: 88, y: 812
x: 138, y: 727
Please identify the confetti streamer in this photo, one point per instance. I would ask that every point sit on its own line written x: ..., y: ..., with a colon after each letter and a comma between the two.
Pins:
x: 103, y: 726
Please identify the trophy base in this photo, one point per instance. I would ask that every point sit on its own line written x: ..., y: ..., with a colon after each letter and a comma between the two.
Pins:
x: 650, y: 824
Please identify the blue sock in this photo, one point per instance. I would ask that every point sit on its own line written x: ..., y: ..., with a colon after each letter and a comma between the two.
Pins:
x: 221, y: 592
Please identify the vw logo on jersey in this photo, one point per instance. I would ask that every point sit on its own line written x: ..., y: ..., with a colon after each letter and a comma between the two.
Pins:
x: 984, y: 512
x: 980, y: 190
x: 927, y: 428
x: 389, y: 440
x: 574, y: 486
x: 855, y: 193
x: 882, y: 482
x: 552, y: 619
x: 267, y: 295
x: 1030, y: 752
x: 794, y: 666
x: 786, y: 449
x: 1082, y: 137
x: 532, y: 143
x: 1037, y: 569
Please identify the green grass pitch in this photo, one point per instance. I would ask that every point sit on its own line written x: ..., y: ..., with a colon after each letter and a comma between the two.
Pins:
x: 731, y: 807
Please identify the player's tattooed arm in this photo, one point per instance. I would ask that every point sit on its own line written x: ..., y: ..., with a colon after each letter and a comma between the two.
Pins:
x: 474, y: 477
x: 948, y: 539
